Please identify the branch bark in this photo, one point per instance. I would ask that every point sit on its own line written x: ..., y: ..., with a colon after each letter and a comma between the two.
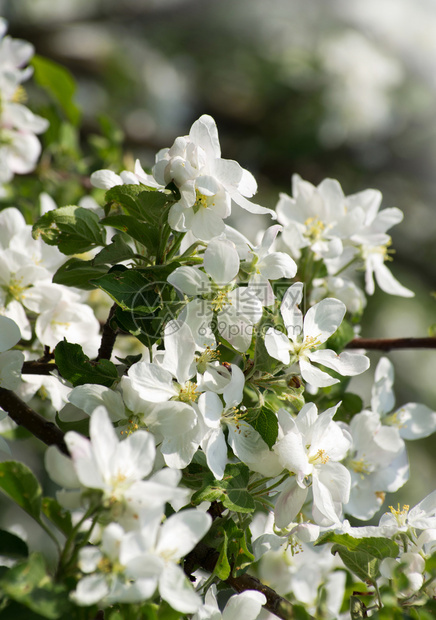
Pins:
x: 205, y: 557
x: 26, y: 417
x: 389, y: 344
x: 108, y: 338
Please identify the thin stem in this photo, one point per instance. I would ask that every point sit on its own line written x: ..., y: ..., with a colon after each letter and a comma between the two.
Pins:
x: 176, y: 245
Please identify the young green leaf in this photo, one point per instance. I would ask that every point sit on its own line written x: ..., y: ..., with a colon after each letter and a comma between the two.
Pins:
x: 73, y: 229
x: 11, y: 546
x: 59, y: 83
x: 30, y: 584
x: 76, y: 367
x: 265, y: 422
x: 147, y: 235
x: 57, y: 515
x: 78, y: 273
x: 116, y: 252
x: 17, y: 481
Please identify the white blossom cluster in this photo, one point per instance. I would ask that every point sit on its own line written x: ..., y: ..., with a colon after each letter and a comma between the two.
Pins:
x: 19, y: 146
x: 186, y: 402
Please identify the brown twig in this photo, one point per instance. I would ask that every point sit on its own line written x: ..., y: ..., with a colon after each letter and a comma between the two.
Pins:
x: 389, y: 344
x: 205, y: 557
x: 26, y: 417
x: 35, y: 367
x: 108, y: 338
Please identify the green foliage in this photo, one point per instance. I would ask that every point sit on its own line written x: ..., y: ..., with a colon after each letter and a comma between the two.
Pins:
x: 30, y: 584
x: 58, y: 82
x: 130, y: 290
x: 78, y: 273
x: 361, y: 556
x: 76, y: 367
x: 117, y: 251
x: 342, y: 336
x: 11, y: 546
x: 265, y: 422
x: 231, y: 491
x: 144, y: 204
x: 57, y: 515
x: 73, y: 229
x: 142, y: 232
x: 17, y: 481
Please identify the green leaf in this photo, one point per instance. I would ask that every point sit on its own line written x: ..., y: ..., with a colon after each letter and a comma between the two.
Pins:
x: 30, y: 584
x: 17, y: 481
x: 144, y: 204
x: 361, y: 556
x: 222, y: 567
x: 350, y: 405
x: 231, y: 490
x: 59, y: 83
x: 265, y: 422
x: 114, y: 253
x: 12, y: 546
x: 342, y: 336
x: 57, y: 515
x: 377, y: 547
x: 76, y: 367
x: 166, y: 612
x: 78, y: 273
x: 234, y: 483
x: 73, y: 229
x: 130, y: 290
x: 147, y: 235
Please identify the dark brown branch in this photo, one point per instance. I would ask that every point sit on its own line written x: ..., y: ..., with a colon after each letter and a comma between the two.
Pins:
x: 389, y: 344
x: 108, y: 338
x: 205, y: 557
x: 26, y: 417
x: 35, y: 367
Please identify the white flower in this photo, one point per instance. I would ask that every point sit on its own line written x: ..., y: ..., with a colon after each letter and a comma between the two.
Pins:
x: 237, y: 309
x: 10, y: 361
x: 208, y: 184
x: 145, y: 560
x: 316, y: 217
x: 106, y: 179
x: 164, y: 395
x: 310, y: 448
x: 69, y: 319
x: 244, y: 440
x: 115, y: 468
x: 377, y: 461
x: 413, y: 420
x: 245, y: 605
x: 266, y: 265
x: 420, y: 517
x: 306, y: 336
x: 372, y: 241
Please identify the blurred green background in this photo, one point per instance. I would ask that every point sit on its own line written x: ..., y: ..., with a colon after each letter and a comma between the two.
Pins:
x: 343, y: 89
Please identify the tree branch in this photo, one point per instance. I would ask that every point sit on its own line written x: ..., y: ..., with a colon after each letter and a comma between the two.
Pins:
x: 26, y: 417
x: 35, y: 367
x: 205, y: 557
x: 108, y: 338
x: 389, y: 344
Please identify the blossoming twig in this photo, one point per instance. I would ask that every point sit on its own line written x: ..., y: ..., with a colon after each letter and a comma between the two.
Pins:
x: 206, y: 558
